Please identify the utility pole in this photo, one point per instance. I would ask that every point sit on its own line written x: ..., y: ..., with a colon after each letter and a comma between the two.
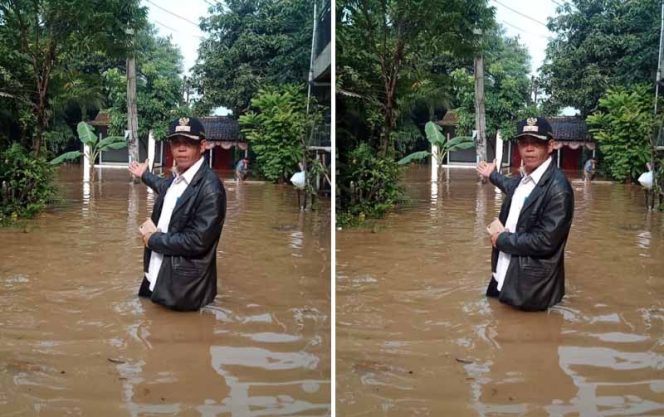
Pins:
x: 480, y: 117
x: 132, y: 111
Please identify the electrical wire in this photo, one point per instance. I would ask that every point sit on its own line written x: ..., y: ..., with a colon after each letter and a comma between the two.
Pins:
x: 174, y: 14
x: 519, y: 13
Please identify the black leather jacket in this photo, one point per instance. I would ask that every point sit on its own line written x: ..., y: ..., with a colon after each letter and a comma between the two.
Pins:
x: 187, y: 279
x: 535, y: 278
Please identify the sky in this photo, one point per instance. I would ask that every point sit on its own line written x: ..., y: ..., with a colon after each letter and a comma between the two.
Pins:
x: 523, y: 18
x: 183, y: 28
x: 527, y: 19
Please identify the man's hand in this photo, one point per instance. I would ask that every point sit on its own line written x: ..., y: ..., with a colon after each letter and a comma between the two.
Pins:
x: 138, y: 169
x: 494, y: 238
x: 146, y: 237
x: 485, y: 168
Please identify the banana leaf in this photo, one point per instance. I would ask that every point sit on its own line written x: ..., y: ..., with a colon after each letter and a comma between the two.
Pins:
x: 67, y: 156
x: 415, y: 156
x: 86, y: 133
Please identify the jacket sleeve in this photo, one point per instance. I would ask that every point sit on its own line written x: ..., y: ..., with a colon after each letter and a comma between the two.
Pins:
x: 506, y: 184
x: 197, y: 238
x: 158, y: 184
x: 549, y: 231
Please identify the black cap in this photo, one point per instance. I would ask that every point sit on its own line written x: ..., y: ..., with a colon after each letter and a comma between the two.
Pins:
x: 189, y: 127
x: 536, y: 127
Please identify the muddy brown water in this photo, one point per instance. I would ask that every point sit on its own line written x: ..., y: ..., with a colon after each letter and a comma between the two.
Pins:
x: 75, y: 340
x: 415, y: 335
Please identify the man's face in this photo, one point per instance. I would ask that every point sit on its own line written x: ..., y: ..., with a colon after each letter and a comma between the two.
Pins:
x: 186, y: 151
x: 534, y: 152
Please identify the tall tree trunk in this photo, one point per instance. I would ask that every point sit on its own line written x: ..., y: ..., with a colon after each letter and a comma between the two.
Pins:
x: 480, y: 119
x: 132, y: 112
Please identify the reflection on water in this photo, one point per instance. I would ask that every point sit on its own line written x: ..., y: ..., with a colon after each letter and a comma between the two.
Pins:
x: 417, y: 337
x: 77, y: 341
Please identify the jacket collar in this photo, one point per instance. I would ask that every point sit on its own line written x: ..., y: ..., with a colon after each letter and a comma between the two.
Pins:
x: 539, y: 187
x: 191, y: 187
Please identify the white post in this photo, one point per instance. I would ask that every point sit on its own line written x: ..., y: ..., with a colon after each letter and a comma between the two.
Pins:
x: 509, y: 154
x: 151, y: 145
x: 499, y: 151
x: 86, y: 163
x: 434, y: 163
x: 559, y: 149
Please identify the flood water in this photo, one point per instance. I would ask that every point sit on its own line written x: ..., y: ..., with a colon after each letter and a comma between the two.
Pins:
x: 75, y: 339
x: 417, y: 337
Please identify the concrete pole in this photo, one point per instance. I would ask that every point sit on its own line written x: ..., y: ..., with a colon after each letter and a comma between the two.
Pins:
x: 434, y: 163
x: 151, y: 146
x: 86, y: 163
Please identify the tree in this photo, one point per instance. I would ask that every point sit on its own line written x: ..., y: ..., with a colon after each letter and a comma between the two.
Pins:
x: 600, y: 44
x: 379, y: 39
x: 159, y: 86
x: 39, y: 34
x: 623, y: 125
x: 251, y: 44
x: 507, y: 86
x: 275, y: 128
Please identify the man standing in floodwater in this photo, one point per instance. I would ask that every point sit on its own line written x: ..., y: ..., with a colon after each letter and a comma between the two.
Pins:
x: 180, y: 257
x: 528, y: 255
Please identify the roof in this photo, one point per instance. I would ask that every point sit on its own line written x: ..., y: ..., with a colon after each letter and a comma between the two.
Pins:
x: 103, y: 119
x: 569, y: 128
x: 451, y: 118
x: 221, y: 128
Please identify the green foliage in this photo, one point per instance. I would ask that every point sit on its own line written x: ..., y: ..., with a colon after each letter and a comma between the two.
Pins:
x: 599, y: 44
x: 158, y: 86
x: 87, y: 136
x: 276, y: 129
x: 506, y: 87
x: 387, y: 50
x: 25, y: 184
x: 623, y: 126
x: 251, y: 44
x: 37, y: 42
x: 367, y: 186
x: 436, y: 137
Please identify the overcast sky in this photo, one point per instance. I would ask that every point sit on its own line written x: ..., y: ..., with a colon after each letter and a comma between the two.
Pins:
x: 179, y: 19
x: 523, y: 18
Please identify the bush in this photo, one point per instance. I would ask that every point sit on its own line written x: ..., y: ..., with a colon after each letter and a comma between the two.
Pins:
x: 25, y: 184
x: 276, y: 127
x: 367, y: 186
x: 623, y: 126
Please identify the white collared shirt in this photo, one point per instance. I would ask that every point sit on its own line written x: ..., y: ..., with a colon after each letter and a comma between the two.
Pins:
x: 523, y: 190
x: 179, y: 184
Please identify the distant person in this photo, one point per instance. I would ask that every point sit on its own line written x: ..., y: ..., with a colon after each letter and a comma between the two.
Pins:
x: 242, y: 169
x: 180, y: 256
x: 589, y: 169
x: 528, y: 256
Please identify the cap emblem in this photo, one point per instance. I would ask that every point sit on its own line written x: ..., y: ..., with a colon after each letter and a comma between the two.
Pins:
x: 183, y: 125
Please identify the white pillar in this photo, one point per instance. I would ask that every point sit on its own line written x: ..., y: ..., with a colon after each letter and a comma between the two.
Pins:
x: 151, y: 145
x: 86, y: 163
x: 499, y: 151
x: 434, y: 163
x: 559, y: 157
x: 509, y: 154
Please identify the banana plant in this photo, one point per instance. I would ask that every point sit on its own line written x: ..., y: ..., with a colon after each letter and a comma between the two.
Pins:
x: 86, y: 134
x: 436, y: 137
